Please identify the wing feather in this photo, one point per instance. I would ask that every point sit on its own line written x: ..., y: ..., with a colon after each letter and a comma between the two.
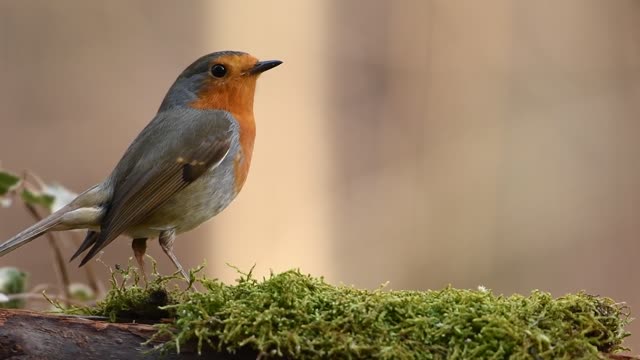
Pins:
x: 197, y: 142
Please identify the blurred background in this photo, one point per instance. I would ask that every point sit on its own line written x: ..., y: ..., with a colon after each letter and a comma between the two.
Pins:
x: 424, y: 143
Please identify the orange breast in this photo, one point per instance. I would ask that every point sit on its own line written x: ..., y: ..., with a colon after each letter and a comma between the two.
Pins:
x: 237, y: 98
x: 243, y: 158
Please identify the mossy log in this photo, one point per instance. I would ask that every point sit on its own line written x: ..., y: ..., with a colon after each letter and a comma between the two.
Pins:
x: 31, y: 335
x: 296, y: 316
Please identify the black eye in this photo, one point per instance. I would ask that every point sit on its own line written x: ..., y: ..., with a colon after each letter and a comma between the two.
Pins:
x: 218, y: 70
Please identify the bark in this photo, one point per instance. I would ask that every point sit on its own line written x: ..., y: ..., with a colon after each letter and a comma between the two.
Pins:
x: 31, y: 335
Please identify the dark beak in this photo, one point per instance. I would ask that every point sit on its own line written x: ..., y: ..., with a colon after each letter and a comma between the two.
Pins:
x: 262, y: 66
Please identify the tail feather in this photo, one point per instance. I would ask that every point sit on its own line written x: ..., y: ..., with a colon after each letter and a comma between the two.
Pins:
x: 89, y: 240
x: 83, y: 212
x: 32, y: 232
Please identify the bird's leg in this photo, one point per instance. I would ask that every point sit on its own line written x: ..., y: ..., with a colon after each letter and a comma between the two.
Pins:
x: 166, y: 239
x: 139, y: 247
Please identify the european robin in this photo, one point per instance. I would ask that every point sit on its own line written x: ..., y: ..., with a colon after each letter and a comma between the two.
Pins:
x: 183, y: 168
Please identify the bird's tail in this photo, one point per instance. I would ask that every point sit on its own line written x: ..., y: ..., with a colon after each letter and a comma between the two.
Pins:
x: 33, y: 231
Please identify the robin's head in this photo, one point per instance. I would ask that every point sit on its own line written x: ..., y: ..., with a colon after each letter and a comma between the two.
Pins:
x: 223, y: 80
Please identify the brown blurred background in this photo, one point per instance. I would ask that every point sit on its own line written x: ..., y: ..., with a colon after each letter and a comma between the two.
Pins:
x: 421, y: 142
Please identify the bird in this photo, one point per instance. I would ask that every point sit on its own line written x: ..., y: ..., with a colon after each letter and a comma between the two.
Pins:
x: 186, y: 166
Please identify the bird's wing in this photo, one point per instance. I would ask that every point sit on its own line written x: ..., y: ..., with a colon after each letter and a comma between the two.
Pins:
x: 174, y: 150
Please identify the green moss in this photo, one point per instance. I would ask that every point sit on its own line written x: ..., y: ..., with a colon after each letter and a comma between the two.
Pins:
x: 300, y: 316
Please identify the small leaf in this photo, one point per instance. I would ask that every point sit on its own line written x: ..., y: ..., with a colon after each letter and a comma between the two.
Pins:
x: 62, y: 196
x: 81, y: 292
x: 7, y: 182
x: 37, y: 198
x: 12, y: 281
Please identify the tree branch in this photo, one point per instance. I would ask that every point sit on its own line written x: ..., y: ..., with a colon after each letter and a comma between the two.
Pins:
x: 31, y: 335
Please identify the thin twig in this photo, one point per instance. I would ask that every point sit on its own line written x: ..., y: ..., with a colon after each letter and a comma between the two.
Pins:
x: 63, y: 275
x: 35, y: 296
x: 95, y: 285
x: 39, y: 288
x: 35, y: 177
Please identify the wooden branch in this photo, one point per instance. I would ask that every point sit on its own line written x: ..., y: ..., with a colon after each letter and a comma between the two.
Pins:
x: 31, y: 335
